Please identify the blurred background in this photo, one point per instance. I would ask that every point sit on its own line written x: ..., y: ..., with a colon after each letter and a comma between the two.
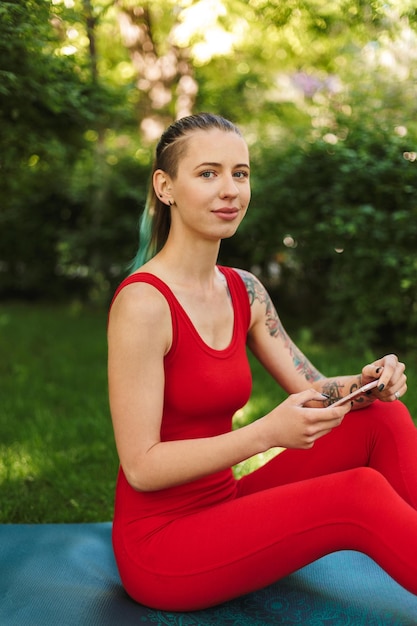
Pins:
x: 325, y: 93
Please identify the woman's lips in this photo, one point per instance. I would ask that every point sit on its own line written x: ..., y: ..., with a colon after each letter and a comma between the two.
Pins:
x: 227, y: 214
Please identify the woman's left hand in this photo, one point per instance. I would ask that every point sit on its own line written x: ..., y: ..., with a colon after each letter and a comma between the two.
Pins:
x: 392, y: 379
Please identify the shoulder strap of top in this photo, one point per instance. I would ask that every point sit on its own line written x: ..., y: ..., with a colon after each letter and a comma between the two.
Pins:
x: 151, y: 279
x: 236, y: 283
x: 145, y: 277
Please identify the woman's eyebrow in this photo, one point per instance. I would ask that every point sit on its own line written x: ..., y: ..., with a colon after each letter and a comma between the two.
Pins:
x: 213, y: 164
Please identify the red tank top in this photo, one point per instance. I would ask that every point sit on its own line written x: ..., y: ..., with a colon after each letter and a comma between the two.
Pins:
x: 203, y: 389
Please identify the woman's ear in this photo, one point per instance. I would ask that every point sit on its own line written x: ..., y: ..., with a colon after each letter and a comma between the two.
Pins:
x: 162, y: 186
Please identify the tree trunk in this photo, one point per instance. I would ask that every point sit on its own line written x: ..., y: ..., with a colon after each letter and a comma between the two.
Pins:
x: 164, y: 78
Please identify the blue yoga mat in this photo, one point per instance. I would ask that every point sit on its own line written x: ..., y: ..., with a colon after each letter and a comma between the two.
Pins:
x: 65, y: 575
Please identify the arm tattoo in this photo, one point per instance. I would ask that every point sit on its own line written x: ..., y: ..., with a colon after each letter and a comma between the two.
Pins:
x: 256, y: 291
x: 333, y: 389
x: 302, y: 364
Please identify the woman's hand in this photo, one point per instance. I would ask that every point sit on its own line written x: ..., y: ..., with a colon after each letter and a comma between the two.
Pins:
x: 392, y: 379
x: 293, y: 425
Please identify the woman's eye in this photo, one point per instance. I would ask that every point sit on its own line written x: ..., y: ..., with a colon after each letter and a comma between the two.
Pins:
x: 241, y: 174
x: 207, y: 174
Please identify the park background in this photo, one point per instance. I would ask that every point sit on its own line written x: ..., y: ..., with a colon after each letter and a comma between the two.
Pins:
x: 326, y: 96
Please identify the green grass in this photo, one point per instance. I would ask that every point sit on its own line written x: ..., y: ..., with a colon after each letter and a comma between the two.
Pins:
x: 57, y: 456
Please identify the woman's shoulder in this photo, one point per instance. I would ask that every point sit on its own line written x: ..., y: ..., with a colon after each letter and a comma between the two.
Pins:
x: 259, y: 299
x: 140, y: 298
x: 244, y: 274
x: 252, y: 284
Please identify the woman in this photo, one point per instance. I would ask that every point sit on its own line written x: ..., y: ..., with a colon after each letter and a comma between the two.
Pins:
x: 186, y: 534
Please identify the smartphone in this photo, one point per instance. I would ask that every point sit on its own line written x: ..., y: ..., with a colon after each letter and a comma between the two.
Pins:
x: 358, y: 392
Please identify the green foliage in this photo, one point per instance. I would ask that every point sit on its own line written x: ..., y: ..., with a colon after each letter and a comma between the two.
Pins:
x: 42, y: 95
x: 342, y: 221
x: 96, y: 246
x: 48, y: 103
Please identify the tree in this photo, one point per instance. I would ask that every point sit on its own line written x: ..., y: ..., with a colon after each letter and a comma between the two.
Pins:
x: 42, y: 103
x: 48, y: 100
x: 163, y: 71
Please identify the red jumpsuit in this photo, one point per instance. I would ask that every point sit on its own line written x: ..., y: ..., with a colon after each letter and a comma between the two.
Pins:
x: 213, y: 539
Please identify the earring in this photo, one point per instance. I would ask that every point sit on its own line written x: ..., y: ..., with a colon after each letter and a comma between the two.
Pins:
x: 170, y: 202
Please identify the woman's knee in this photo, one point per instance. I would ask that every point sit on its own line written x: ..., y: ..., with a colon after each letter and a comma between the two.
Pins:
x: 365, y: 484
x: 390, y: 412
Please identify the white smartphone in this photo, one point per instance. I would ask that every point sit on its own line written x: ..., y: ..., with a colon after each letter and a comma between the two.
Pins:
x: 357, y: 392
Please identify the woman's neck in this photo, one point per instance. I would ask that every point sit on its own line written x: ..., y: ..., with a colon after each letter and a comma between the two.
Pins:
x: 192, y: 266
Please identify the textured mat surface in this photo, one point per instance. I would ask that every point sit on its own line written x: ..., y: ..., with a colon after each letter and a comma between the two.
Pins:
x: 65, y: 575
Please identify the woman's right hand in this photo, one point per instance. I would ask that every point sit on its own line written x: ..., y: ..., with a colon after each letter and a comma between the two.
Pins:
x: 293, y: 425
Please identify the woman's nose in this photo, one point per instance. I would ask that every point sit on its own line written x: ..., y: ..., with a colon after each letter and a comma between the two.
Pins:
x: 229, y: 187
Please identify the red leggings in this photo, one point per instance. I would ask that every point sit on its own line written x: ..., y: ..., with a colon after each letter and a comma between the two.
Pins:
x: 356, y: 489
